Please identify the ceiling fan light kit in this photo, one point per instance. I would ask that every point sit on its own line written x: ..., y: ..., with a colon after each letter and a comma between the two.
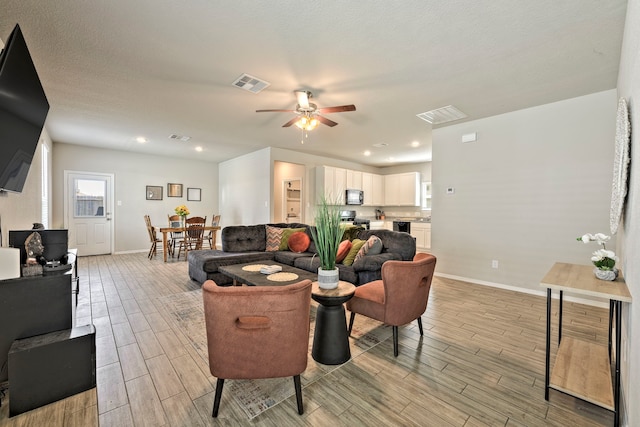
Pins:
x: 309, y: 113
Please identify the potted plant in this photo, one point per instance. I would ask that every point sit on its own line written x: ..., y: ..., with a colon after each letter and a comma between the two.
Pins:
x: 603, y: 259
x: 327, y: 235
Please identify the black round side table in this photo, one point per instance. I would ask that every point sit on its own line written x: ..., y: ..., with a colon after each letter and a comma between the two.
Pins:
x: 330, y: 339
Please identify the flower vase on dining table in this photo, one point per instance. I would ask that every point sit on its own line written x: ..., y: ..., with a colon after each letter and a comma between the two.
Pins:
x: 183, y: 221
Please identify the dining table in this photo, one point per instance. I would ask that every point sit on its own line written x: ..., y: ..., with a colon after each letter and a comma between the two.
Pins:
x: 166, y: 230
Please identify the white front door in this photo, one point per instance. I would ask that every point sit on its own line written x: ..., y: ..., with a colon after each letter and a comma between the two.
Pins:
x: 88, y: 210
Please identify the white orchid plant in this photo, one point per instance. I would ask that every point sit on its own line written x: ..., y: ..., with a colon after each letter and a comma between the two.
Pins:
x: 603, y: 259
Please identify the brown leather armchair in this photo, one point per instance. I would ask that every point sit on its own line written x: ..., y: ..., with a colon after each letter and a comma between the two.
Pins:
x: 257, y: 332
x: 399, y: 298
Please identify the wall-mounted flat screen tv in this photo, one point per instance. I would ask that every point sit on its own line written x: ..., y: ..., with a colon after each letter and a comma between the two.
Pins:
x: 23, y: 110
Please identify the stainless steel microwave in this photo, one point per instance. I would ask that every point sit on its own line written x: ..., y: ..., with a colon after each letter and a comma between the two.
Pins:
x: 354, y: 197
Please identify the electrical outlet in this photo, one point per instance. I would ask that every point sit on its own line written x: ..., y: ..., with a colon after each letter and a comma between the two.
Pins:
x: 494, y: 263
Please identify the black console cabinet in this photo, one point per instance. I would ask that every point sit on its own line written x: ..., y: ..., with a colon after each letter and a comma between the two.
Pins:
x: 32, y: 306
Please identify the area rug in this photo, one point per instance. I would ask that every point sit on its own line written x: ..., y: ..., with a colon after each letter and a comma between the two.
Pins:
x: 256, y: 396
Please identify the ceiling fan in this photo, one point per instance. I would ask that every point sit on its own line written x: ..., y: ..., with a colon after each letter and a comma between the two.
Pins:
x: 308, y: 114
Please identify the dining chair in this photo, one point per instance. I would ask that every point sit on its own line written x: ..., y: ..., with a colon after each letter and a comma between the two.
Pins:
x: 175, y: 236
x: 193, y: 236
x: 153, y: 237
x: 211, y: 237
x: 399, y: 298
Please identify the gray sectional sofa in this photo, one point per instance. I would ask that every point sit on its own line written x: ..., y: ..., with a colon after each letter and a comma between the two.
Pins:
x: 247, y: 243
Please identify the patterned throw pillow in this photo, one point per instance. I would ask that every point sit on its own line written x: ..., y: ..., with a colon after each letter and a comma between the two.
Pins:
x: 286, y: 233
x: 343, y: 250
x: 373, y: 246
x: 356, y: 244
x: 274, y: 237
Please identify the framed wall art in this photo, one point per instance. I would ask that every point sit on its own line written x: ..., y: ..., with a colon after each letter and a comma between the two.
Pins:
x: 174, y: 190
x: 194, y: 194
x: 154, y: 192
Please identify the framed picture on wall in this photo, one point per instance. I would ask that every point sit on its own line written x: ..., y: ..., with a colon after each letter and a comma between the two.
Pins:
x: 154, y: 192
x: 194, y: 194
x: 174, y: 190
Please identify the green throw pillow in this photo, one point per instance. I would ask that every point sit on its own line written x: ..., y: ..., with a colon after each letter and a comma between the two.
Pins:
x: 356, y: 244
x: 284, y: 243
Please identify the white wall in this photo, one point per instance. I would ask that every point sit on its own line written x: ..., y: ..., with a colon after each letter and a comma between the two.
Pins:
x: 629, y: 232
x: 534, y: 181
x: 133, y: 172
x: 246, y: 189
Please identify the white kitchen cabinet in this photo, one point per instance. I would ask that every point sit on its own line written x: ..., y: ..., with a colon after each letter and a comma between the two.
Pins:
x: 388, y: 225
x: 402, y: 189
x: 354, y: 180
x: 373, y: 188
x: 422, y: 233
x: 332, y: 183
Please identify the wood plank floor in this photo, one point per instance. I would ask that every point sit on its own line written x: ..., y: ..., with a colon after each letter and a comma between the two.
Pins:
x: 480, y: 363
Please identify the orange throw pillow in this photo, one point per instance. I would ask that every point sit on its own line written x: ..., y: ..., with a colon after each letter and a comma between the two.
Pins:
x: 343, y: 250
x: 299, y: 242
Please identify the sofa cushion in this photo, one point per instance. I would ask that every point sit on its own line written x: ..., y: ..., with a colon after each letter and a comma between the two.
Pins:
x: 299, y: 242
x: 243, y: 238
x: 356, y: 244
x: 286, y: 234
x: 343, y: 250
x: 289, y: 258
x: 373, y: 246
x: 274, y: 237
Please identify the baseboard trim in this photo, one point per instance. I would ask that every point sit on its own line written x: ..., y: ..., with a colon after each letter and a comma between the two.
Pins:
x: 541, y: 293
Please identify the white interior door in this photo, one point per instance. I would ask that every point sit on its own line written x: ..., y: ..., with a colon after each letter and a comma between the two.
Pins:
x: 88, y: 210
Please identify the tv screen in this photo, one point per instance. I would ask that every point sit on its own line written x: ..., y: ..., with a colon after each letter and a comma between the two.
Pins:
x: 23, y: 110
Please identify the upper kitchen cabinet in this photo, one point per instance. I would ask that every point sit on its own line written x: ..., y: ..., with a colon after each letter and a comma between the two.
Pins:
x: 373, y: 189
x: 354, y: 180
x: 402, y: 189
x: 332, y: 183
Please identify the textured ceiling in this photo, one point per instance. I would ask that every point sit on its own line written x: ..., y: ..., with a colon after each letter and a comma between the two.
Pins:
x: 115, y: 70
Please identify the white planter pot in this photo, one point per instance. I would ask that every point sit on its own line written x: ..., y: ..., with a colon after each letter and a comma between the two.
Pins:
x: 328, y: 279
x: 606, y: 274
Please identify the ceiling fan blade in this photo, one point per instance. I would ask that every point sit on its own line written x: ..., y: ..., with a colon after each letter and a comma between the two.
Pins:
x: 338, y: 109
x: 275, y: 111
x: 303, y: 98
x: 290, y: 122
x: 326, y: 121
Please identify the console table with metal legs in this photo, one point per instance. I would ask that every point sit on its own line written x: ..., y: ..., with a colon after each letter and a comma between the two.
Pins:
x: 574, y: 373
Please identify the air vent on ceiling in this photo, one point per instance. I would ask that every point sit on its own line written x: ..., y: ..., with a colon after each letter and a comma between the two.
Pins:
x: 442, y: 115
x: 250, y: 83
x: 179, y: 137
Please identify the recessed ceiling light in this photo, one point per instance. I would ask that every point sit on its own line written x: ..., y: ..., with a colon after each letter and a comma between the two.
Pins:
x: 415, y: 144
x: 199, y: 149
x: 367, y: 153
x: 142, y: 140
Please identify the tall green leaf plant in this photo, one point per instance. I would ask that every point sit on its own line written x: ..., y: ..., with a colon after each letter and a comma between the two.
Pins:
x: 327, y: 233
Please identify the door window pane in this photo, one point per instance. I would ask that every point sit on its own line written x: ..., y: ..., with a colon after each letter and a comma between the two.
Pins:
x: 89, y: 198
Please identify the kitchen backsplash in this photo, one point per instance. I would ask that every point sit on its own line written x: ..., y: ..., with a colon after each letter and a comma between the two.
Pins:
x: 390, y: 213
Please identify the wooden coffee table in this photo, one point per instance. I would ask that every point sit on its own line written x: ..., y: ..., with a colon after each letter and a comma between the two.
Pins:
x: 249, y: 274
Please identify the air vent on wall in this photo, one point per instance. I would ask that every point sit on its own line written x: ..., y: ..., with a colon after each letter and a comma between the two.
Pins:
x: 250, y: 83
x: 442, y: 115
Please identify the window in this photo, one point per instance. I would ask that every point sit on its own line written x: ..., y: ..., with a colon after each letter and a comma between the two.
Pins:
x: 45, y: 186
x: 89, y: 198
